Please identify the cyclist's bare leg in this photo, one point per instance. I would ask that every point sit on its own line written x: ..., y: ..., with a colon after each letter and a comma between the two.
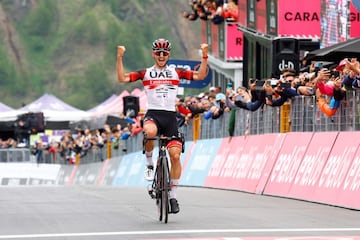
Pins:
x: 150, y: 130
x: 174, y: 153
x: 175, y: 171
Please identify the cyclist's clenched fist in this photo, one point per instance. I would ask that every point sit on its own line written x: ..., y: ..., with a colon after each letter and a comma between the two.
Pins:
x: 204, y: 49
x: 121, y: 50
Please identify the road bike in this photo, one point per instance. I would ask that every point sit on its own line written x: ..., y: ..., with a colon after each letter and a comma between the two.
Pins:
x: 160, y: 187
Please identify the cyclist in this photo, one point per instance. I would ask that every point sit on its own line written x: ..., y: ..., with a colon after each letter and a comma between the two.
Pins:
x: 161, y: 84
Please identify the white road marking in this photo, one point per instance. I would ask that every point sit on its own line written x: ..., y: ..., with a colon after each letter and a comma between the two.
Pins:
x: 92, y: 234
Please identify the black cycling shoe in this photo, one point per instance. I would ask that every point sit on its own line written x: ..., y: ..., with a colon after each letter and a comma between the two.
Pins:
x: 174, y: 206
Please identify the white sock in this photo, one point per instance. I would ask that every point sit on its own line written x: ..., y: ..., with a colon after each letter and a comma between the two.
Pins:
x: 149, y: 160
x: 174, y: 185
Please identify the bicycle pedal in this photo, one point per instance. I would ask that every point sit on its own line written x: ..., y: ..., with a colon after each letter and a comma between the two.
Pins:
x: 152, y: 194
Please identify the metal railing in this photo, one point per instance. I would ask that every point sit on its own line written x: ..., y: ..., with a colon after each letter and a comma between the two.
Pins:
x: 301, y: 114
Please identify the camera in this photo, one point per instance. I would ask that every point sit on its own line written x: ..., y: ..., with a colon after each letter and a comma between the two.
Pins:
x: 285, y: 85
x: 335, y: 73
x: 260, y: 84
x: 252, y: 80
x: 239, y: 98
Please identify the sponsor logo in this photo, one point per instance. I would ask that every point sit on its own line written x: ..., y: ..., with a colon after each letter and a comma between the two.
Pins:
x: 354, y: 17
x: 302, y: 16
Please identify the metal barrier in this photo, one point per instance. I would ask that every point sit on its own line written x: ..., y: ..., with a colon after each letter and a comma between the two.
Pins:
x: 301, y: 114
x: 15, y: 155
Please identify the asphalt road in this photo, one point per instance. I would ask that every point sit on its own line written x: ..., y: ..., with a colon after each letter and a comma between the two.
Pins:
x: 109, y: 213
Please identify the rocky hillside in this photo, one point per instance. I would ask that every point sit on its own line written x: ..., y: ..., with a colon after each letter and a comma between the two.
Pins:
x: 68, y: 48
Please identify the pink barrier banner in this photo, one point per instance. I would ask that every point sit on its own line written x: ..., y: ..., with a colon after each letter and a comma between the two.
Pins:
x: 215, y: 178
x: 228, y: 168
x: 72, y: 175
x: 312, y: 165
x: 287, y: 163
x: 253, y: 160
x: 271, y: 158
x: 350, y: 192
x: 331, y: 182
x: 100, y: 179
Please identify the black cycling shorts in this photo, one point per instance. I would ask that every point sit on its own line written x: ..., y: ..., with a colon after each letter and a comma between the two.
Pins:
x: 165, y: 121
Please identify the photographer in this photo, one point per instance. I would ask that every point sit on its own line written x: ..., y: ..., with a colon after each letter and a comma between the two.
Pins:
x: 285, y: 89
x: 244, y: 99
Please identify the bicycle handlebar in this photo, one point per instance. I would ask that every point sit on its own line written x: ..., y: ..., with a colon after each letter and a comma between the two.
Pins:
x: 163, y: 139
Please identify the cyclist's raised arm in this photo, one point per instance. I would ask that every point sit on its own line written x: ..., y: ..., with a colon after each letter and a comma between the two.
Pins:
x: 121, y: 75
x: 202, y: 72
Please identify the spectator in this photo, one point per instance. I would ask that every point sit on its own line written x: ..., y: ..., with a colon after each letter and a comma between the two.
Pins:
x: 230, y: 11
x: 352, y: 73
x: 244, y: 99
x: 216, y: 10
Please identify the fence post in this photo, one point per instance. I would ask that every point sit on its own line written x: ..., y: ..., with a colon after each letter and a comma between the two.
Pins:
x: 285, y: 117
x: 196, y: 127
x: 108, y: 145
x: 77, y: 159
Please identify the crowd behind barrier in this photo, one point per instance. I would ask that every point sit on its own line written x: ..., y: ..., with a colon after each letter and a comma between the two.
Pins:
x: 301, y: 114
x: 319, y: 100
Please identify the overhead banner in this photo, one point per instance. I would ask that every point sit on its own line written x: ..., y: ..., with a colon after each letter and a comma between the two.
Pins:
x: 261, y: 16
x: 334, y: 19
x: 272, y: 17
x: 203, y: 31
x: 191, y: 65
x: 215, y: 40
x: 242, y: 5
x: 354, y: 30
x: 234, y: 43
x: 299, y: 20
x: 251, y: 16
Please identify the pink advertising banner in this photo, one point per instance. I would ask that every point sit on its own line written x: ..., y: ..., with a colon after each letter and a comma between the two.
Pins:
x: 234, y: 43
x: 354, y: 21
x: 254, y: 160
x: 312, y: 165
x: 215, y: 177
x: 331, y: 181
x: 287, y: 164
x: 228, y: 170
x: 350, y: 193
x: 271, y: 159
x: 299, y: 20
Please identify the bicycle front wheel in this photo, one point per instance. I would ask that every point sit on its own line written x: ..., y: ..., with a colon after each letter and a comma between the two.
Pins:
x: 165, y: 189
x: 159, y: 182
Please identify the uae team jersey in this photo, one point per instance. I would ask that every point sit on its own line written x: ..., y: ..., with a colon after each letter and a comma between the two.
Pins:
x: 161, y: 85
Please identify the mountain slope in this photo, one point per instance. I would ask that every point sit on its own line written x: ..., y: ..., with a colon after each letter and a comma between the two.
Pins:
x: 68, y: 48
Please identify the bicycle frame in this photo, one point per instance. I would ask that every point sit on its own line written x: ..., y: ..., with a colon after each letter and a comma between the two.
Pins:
x: 160, y: 187
x: 161, y: 184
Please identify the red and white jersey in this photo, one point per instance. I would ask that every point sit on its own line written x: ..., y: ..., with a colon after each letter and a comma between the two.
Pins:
x: 161, y: 85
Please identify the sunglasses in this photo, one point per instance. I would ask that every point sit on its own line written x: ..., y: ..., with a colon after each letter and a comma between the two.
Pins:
x: 162, y: 53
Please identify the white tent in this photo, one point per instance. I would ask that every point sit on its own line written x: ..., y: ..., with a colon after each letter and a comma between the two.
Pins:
x: 57, y: 113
